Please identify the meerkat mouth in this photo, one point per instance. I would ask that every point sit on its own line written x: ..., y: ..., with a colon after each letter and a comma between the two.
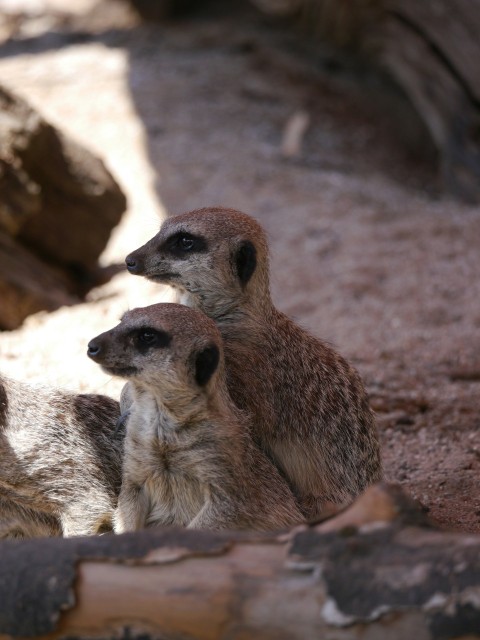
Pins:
x: 121, y: 372
x: 162, y: 277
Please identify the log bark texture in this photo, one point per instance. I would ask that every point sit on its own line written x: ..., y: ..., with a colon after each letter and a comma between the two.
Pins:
x: 58, y: 206
x: 359, y: 575
x: 431, y: 48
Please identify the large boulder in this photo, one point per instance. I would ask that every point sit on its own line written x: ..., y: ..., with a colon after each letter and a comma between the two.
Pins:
x: 59, y: 203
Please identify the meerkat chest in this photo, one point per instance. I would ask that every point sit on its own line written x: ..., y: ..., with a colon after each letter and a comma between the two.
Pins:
x: 162, y: 464
x: 175, y: 490
x: 174, y: 498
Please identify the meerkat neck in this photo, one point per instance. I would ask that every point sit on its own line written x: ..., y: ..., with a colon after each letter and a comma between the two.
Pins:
x: 166, y: 412
x: 229, y: 310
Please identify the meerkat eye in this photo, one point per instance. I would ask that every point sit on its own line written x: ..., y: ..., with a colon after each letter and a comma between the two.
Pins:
x: 147, y: 336
x: 186, y: 243
x: 182, y: 243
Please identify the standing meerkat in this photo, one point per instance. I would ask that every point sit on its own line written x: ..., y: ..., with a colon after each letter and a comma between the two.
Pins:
x: 60, y: 467
x: 309, y: 408
x: 189, y: 458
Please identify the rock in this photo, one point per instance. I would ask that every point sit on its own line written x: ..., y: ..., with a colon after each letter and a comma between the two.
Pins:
x: 80, y: 201
x: 158, y: 10
x: 20, y: 197
x: 27, y: 284
x: 59, y: 202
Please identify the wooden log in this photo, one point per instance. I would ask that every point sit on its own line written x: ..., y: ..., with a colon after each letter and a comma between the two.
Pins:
x: 430, y: 48
x: 452, y: 28
x: 367, y: 577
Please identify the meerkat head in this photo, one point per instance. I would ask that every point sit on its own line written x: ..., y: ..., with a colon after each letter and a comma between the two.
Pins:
x: 217, y: 258
x: 168, y: 348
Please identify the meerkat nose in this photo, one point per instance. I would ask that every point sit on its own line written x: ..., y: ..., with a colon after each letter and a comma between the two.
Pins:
x: 133, y: 265
x: 93, y: 349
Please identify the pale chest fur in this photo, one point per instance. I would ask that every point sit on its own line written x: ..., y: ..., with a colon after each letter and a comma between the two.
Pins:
x: 158, y: 460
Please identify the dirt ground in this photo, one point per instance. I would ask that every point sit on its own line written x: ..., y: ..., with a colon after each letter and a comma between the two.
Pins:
x: 365, y: 252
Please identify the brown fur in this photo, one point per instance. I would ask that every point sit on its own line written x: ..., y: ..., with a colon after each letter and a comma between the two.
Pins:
x: 189, y: 458
x: 60, y: 468
x: 308, y: 406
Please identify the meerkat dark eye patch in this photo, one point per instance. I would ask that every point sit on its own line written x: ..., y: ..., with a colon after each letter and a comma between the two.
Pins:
x: 182, y: 243
x: 246, y: 261
x: 148, y: 338
x: 206, y: 363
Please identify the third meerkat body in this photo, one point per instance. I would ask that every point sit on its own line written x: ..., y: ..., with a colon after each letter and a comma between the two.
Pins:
x: 308, y: 406
x: 189, y: 458
x: 60, y: 466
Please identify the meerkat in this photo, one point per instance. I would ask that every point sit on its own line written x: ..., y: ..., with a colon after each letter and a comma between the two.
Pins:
x: 189, y: 458
x: 60, y: 467
x: 308, y: 407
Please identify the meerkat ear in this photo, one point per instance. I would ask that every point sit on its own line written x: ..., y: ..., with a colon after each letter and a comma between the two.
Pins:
x: 245, y: 261
x: 206, y: 363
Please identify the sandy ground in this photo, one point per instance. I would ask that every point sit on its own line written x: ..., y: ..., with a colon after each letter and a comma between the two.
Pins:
x: 365, y: 253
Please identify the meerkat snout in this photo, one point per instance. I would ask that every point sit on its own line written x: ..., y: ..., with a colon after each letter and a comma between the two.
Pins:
x: 134, y: 264
x: 93, y: 349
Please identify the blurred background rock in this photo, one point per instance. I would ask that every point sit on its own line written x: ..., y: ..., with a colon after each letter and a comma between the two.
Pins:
x: 58, y: 207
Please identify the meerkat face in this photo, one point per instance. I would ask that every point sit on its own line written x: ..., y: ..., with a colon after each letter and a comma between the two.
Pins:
x: 166, y: 346
x: 213, y: 254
